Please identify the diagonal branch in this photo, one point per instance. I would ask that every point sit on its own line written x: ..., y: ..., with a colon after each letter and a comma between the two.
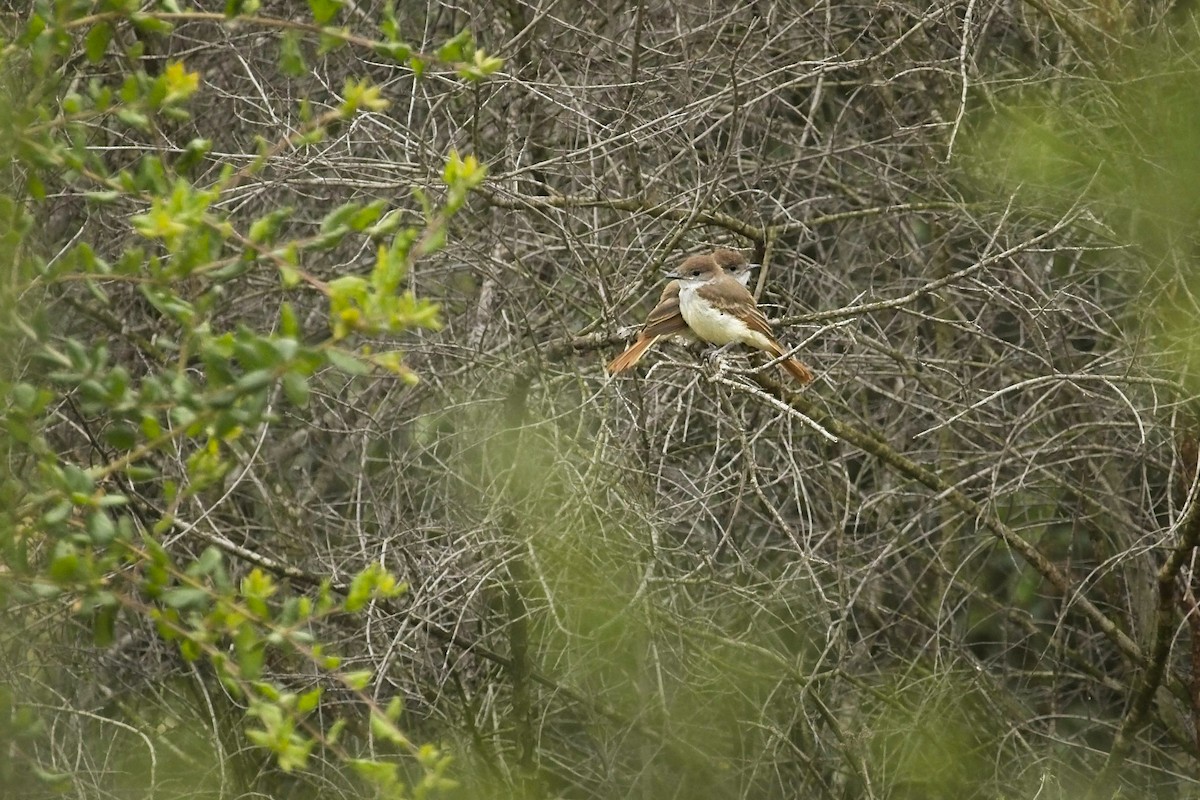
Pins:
x: 871, y: 443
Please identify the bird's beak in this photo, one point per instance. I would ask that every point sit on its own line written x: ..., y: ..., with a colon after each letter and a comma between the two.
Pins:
x: 672, y: 274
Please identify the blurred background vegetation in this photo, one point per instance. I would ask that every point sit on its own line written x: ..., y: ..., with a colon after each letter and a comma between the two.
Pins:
x: 315, y: 485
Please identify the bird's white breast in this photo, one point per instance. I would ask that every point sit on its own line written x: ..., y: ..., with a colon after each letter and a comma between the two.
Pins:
x: 709, y: 323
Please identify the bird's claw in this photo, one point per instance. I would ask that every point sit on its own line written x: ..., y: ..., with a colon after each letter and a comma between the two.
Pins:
x: 714, y: 360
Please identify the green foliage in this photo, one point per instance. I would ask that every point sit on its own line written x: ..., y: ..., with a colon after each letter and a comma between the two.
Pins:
x: 324, y: 11
x: 705, y: 672
x: 75, y: 532
x: 929, y: 736
x: 1125, y: 147
x: 472, y: 63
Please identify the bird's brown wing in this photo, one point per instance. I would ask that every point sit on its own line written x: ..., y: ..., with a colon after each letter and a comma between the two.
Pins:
x: 665, y: 318
x: 797, y: 368
x: 757, y: 321
x: 736, y: 300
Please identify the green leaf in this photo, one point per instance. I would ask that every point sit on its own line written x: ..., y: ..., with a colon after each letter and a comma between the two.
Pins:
x: 95, y: 44
x: 339, y: 217
x: 367, y: 215
x: 24, y: 398
x: 303, y: 608
x: 148, y: 23
x: 78, y: 481
x: 386, y: 730
x: 101, y: 529
x: 231, y: 270
x: 254, y: 381
x: 309, y: 700
x: 251, y: 652
x: 134, y: 119
x: 186, y: 598
x: 388, y: 25
x: 348, y: 289
x: 285, y: 347
x: 397, y: 51
x: 295, y: 754
x: 104, y: 624
x: 190, y: 650
x: 66, y: 564
x: 328, y: 241
x: 235, y: 8
x: 210, y: 561
x: 359, y: 679
x: 174, y: 85
x: 378, y: 772
x: 289, y: 278
x: 393, y: 362
x: 362, y: 588
x: 266, y: 229
x: 18, y: 430
x: 37, y: 189
x: 271, y: 693
x: 256, y: 588
x: 456, y: 49
x: 346, y: 362
x: 395, y: 708
x: 97, y: 292
x: 295, y: 386
x: 435, y: 241
x: 151, y: 427
x: 288, y: 324
x: 193, y: 154
x: 140, y: 473
x: 389, y: 225
x: 57, y: 514
x: 291, y: 58
x: 121, y: 436
x: 465, y: 173
x: 390, y: 266
x: 328, y: 42
x: 324, y: 10
x: 48, y: 591
x: 481, y: 66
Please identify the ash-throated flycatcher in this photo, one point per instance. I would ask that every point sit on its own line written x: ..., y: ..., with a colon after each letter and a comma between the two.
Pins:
x: 721, y: 311
x: 665, y: 320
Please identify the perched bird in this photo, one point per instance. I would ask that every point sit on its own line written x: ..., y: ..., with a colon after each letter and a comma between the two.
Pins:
x: 721, y: 311
x: 665, y: 320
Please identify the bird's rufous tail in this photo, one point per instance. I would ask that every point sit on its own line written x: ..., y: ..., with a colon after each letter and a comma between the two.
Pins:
x: 632, y: 355
x: 794, y: 367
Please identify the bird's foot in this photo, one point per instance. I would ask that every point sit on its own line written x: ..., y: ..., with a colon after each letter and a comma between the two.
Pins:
x: 714, y: 360
x: 718, y: 352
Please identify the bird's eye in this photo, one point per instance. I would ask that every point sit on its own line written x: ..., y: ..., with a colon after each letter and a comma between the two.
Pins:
x: 695, y: 273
